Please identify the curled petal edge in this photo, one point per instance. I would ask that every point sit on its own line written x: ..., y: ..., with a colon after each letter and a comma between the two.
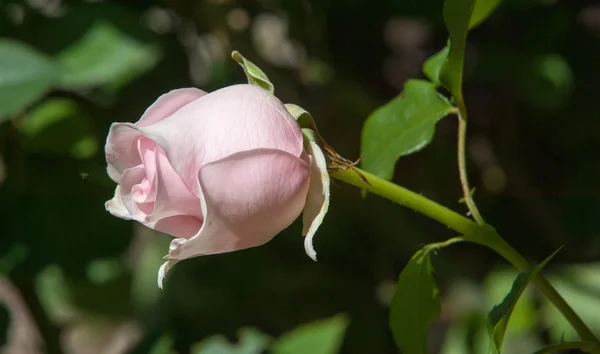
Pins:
x: 317, y: 199
x: 116, y: 207
x: 216, y: 236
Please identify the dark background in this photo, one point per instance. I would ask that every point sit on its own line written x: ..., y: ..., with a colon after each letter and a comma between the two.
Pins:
x: 531, y: 89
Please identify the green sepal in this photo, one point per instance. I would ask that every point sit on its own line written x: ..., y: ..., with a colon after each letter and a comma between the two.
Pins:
x: 254, y: 74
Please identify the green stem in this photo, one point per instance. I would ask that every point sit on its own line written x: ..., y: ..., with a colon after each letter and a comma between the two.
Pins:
x: 471, y: 231
x: 462, y: 163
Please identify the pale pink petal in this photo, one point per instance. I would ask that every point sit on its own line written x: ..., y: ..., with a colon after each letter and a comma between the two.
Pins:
x: 317, y: 198
x: 116, y: 207
x: 184, y: 226
x: 122, y: 149
x: 177, y: 211
x: 224, y: 122
x: 248, y: 198
x: 131, y: 178
x: 168, y: 104
x: 147, y: 151
x: 121, y: 143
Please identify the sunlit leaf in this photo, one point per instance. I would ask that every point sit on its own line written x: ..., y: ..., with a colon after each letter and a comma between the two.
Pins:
x: 251, y: 341
x: 101, y: 271
x: 25, y: 75
x: 59, y: 126
x: 457, y: 15
x: 584, y: 346
x: 500, y: 314
x: 254, y: 74
x: 416, y: 302
x: 320, y: 337
x: 579, y: 286
x: 467, y: 334
x: 496, y: 285
x: 106, y: 56
x: 53, y: 291
x: 402, y: 126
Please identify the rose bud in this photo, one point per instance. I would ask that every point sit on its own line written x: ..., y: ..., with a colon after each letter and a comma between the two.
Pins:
x: 220, y: 171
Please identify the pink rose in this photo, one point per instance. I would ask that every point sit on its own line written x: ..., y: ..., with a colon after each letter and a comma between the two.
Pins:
x: 220, y: 172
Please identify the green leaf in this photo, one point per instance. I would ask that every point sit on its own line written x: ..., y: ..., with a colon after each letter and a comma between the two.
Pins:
x: 578, y: 284
x: 144, y: 291
x: 416, y: 302
x: 53, y: 291
x: 500, y: 314
x: 547, y: 82
x: 320, y: 337
x: 105, y: 56
x: 483, y: 9
x: 433, y: 65
x: 164, y: 345
x: 402, y: 126
x: 457, y: 16
x: 59, y: 126
x: 584, y: 346
x: 254, y: 74
x: 25, y: 75
x: 251, y: 341
x: 14, y: 256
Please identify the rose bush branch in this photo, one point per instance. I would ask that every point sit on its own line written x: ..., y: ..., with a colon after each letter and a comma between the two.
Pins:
x: 462, y: 163
x: 477, y: 233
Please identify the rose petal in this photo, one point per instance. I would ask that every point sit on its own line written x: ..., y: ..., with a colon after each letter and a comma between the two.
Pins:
x: 247, y: 198
x: 224, y: 122
x: 131, y: 178
x: 121, y: 143
x: 177, y: 211
x: 122, y: 149
x: 168, y: 104
x: 147, y: 150
x: 116, y: 207
x: 317, y: 198
x: 184, y: 226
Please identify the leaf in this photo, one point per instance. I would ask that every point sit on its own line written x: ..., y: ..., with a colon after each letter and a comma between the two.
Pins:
x: 416, y: 302
x: 457, y: 15
x: 58, y: 126
x: 320, y: 337
x: 105, y: 56
x: 25, y: 75
x: 500, y: 314
x: 254, y: 74
x: 402, y: 126
x: 144, y: 291
x: 483, y: 9
x: 584, y: 346
x: 164, y: 345
x: 579, y: 286
x: 434, y: 63
x: 546, y: 82
x: 251, y: 341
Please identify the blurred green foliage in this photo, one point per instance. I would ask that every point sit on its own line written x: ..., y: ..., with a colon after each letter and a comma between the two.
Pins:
x: 68, y: 69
